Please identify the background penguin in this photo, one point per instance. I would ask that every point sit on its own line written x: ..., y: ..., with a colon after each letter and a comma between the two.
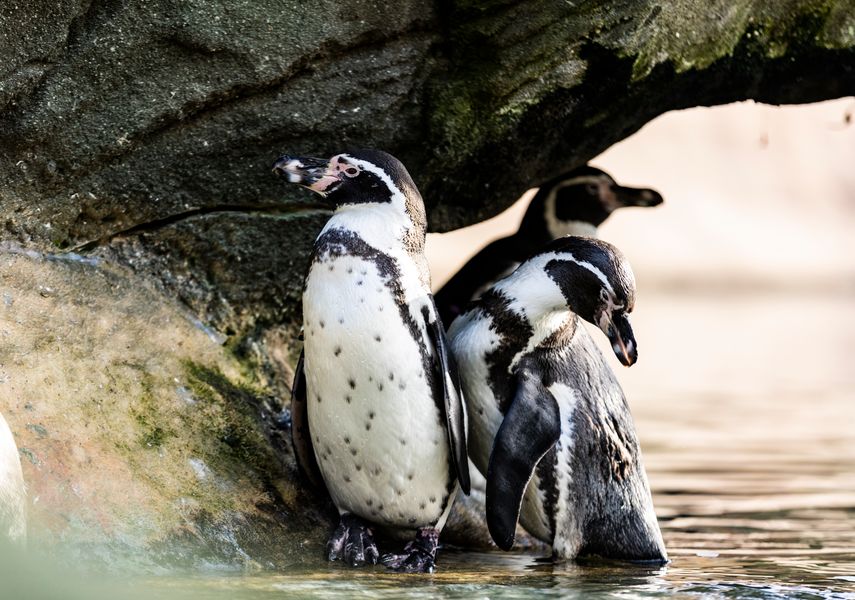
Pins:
x: 376, y: 407
x: 549, y: 424
x: 575, y: 203
x: 13, y: 494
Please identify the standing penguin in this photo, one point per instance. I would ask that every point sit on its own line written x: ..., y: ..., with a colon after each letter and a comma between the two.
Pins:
x: 376, y: 405
x: 549, y: 424
x: 575, y: 203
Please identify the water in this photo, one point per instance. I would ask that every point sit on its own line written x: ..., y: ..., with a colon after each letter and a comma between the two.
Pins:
x: 745, y: 405
x: 472, y: 576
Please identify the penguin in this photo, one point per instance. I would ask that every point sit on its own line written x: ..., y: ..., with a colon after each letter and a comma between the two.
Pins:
x: 377, y: 410
x: 574, y: 203
x: 549, y: 425
x: 13, y: 493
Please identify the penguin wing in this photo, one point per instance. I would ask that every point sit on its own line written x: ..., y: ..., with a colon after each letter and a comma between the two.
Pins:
x: 452, y: 400
x: 530, y: 428
x: 301, y: 437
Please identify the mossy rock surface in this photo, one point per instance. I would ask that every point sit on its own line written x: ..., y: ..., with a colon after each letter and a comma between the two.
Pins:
x: 137, y: 138
x: 143, y: 441
x: 145, y: 130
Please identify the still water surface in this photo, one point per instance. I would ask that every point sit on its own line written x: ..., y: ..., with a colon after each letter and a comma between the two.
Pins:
x: 745, y: 405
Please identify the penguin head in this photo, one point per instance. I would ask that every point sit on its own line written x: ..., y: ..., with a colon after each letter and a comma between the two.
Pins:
x: 598, y: 285
x: 353, y: 178
x: 578, y: 202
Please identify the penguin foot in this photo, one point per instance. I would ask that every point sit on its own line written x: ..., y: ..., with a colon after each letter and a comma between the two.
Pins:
x: 352, y: 542
x: 419, y: 555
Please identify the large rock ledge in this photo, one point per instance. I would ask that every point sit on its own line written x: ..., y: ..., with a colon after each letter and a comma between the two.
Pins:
x: 154, y: 123
x: 137, y: 205
x: 143, y: 441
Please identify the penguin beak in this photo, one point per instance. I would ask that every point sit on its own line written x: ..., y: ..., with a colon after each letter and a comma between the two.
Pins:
x: 619, y: 332
x: 312, y: 173
x: 627, y: 196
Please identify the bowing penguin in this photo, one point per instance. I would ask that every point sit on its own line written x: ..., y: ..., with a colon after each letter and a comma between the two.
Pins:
x: 549, y: 424
x: 377, y: 411
x: 574, y: 203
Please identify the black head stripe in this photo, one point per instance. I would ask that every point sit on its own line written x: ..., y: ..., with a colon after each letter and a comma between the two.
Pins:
x: 572, y: 202
x: 603, y: 257
x: 389, y: 164
x: 370, y: 187
x: 366, y: 188
x: 579, y: 203
x: 579, y: 286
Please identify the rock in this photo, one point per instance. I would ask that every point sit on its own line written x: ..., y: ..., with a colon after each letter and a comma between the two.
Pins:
x: 147, y: 121
x: 143, y: 441
x: 137, y: 137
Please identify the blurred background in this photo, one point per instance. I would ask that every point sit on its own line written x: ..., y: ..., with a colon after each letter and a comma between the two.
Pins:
x: 757, y: 196
x: 744, y: 392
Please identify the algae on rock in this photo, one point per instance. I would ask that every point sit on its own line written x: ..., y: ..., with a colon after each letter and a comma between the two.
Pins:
x: 140, y: 135
x: 142, y: 441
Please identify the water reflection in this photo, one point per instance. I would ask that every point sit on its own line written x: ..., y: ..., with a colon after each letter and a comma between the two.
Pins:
x: 472, y: 576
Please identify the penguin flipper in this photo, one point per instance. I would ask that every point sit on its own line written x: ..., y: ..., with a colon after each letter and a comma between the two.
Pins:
x: 530, y: 428
x: 452, y: 400
x: 301, y: 437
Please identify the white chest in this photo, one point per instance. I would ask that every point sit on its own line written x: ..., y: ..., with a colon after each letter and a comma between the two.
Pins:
x: 376, y: 428
x: 472, y: 338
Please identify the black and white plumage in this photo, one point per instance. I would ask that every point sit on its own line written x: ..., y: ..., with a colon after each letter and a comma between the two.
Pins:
x: 548, y: 421
x: 376, y: 405
x: 574, y: 203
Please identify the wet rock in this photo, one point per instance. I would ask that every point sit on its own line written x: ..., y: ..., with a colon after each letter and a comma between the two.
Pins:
x: 144, y: 442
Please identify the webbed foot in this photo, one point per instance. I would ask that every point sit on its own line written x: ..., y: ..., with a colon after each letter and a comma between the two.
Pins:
x: 352, y: 542
x: 419, y: 555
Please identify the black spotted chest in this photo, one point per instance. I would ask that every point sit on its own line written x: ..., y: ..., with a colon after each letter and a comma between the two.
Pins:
x: 375, y: 425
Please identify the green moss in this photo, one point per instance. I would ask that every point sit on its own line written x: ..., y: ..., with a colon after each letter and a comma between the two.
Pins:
x: 30, y: 456
x: 148, y: 414
x: 838, y: 32
x: 154, y: 437
x: 37, y: 429
x: 215, y: 428
x: 229, y: 409
x: 246, y: 360
x: 203, y: 378
x: 686, y: 37
x: 506, y: 58
x: 802, y: 30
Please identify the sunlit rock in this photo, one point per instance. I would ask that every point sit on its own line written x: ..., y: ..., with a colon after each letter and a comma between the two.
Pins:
x: 143, y: 441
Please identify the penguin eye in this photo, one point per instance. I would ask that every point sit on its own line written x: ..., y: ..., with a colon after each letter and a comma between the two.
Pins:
x: 592, y: 188
x: 604, y: 295
x: 351, y: 171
